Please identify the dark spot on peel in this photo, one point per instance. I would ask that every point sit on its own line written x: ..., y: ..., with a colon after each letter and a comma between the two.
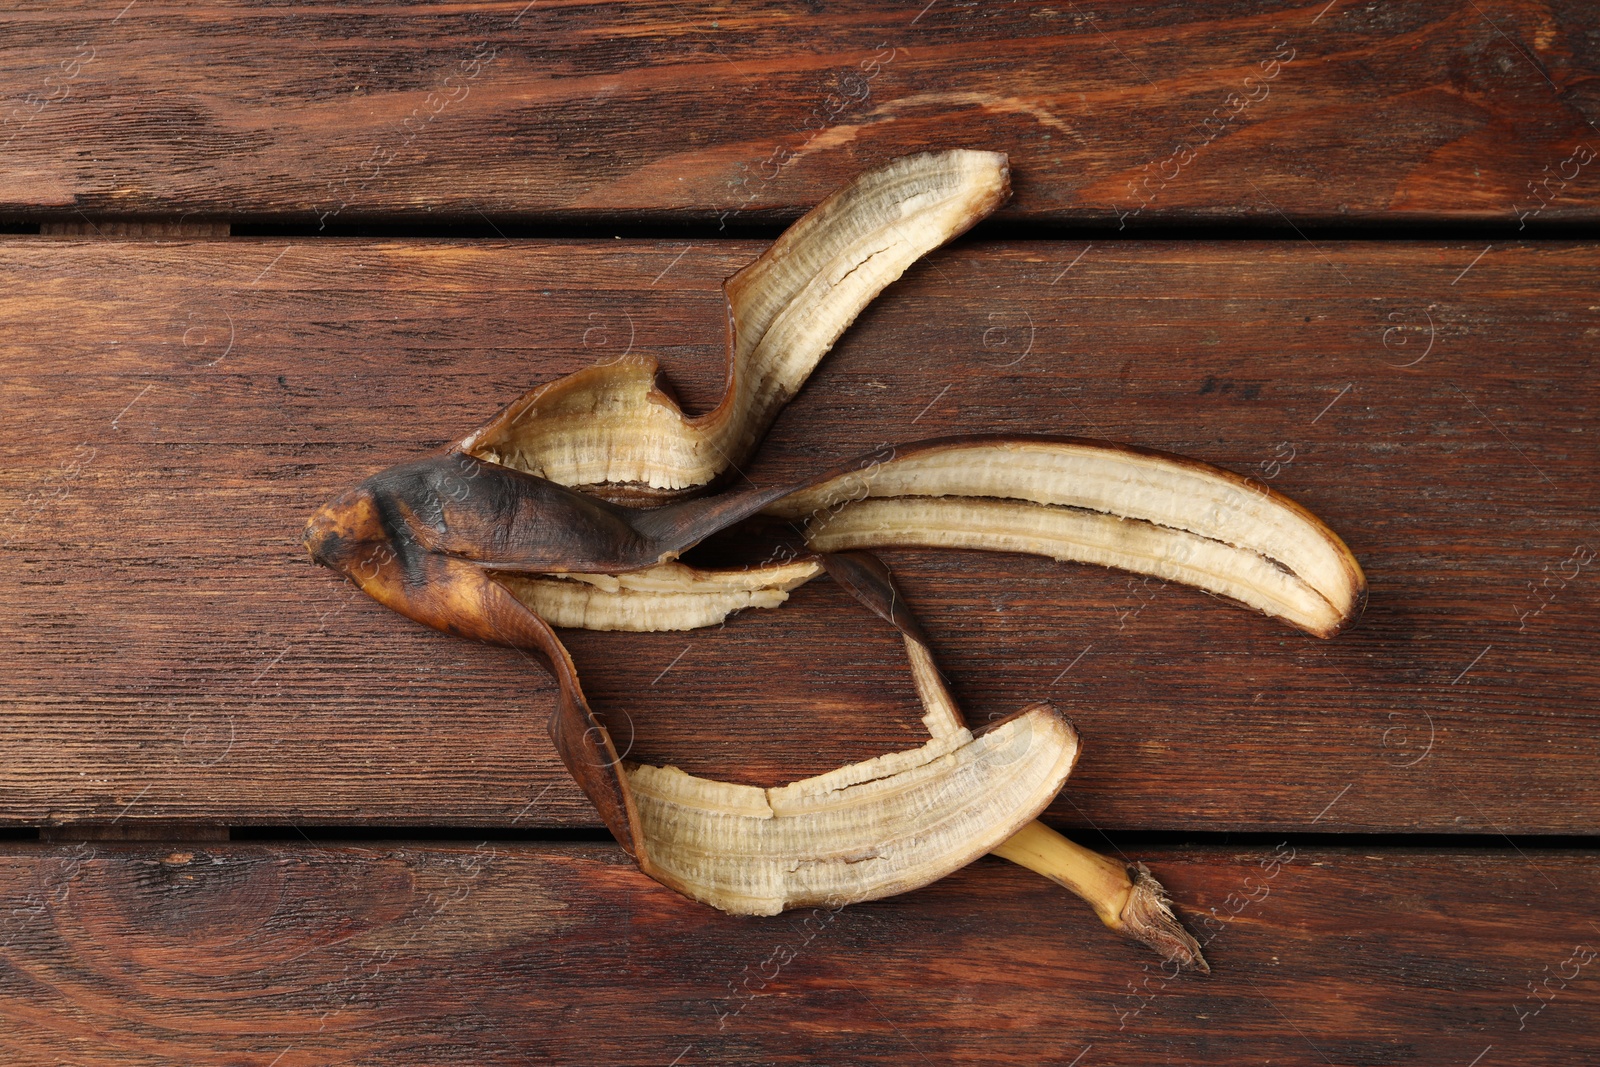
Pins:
x: 327, y: 548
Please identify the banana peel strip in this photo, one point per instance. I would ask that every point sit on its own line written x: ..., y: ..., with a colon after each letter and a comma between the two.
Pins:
x: 865, y: 830
x: 1088, y: 501
x: 668, y: 596
x: 614, y: 429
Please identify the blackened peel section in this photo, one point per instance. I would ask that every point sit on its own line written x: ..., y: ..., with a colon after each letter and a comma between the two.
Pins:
x: 868, y: 579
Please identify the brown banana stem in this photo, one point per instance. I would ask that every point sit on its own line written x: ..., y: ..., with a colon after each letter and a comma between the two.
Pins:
x: 1128, y: 899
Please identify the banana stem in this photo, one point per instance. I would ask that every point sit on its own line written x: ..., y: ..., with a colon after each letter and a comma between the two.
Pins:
x: 1127, y: 899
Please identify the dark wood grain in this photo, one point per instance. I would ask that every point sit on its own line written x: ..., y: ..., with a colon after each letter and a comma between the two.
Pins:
x: 174, y: 410
x: 1150, y: 113
x: 514, y: 954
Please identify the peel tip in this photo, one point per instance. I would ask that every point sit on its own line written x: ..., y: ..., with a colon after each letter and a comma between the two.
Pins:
x: 997, y: 166
x: 1148, y: 917
x: 1044, y: 706
x: 985, y: 179
x: 1358, y: 608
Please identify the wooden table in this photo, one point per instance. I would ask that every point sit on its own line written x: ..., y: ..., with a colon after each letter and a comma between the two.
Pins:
x: 254, y: 253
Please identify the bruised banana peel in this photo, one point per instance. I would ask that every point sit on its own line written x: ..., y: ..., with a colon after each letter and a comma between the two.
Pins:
x: 536, y: 519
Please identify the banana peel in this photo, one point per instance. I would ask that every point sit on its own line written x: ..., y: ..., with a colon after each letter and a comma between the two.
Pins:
x: 573, y: 506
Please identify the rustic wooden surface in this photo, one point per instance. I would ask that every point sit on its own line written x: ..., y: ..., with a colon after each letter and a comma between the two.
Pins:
x: 292, y: 955
x: 175, y: 673
x: 1149, y: 114
x: 175, y: 410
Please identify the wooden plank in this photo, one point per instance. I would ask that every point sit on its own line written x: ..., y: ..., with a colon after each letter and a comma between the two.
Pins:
x: 508, y: 953
x: 1319, y: 111
x: 174, y: 410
